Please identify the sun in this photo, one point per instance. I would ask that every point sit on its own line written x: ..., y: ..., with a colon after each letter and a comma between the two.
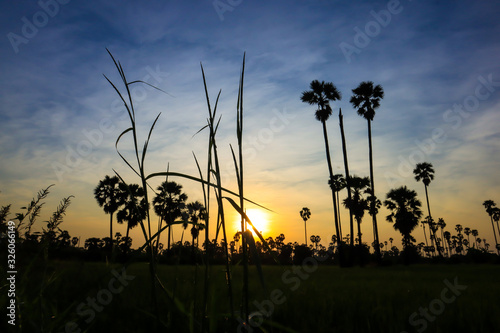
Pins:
x: 259, y: 219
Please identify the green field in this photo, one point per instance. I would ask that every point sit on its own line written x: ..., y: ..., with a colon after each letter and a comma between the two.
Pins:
x: 298, y: 299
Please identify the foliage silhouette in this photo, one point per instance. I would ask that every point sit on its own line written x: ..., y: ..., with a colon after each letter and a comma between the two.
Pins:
x: 321, y: 94
x: 366, y: 98
x: 405, y: 214
x: 305, y: 213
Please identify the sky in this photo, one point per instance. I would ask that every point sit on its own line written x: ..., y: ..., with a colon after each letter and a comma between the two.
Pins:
x: 437, y: 62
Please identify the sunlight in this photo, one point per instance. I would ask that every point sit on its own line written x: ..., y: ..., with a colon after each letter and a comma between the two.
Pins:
x: 259, y: 219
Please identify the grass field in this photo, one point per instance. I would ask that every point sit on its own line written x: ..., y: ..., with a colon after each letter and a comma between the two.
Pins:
x: 95, y: 297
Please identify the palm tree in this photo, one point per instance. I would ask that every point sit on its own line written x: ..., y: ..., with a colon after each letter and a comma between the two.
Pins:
x: 357, y: 204
x: 135, y: 206
x: 236, y: 238
x: 441, y: 224
x: 474, y: 234
x: 478, y: 241
x: 495, y: 214
x: 467, y: 232
x: 366, y: 98
x: 405, y: 212
x: 321, y: 94
x: 334, y: 240
x: 489, y: 205
x: 168, y: 205
x: 425, y: 172
x: 109, y: 196
x: 315, y: 240
x: 423, y: 222
x: 305, y: 213
x: 195, y: 213
x: 347, y: 176
x: 447, y: 237
x: 338, y: 183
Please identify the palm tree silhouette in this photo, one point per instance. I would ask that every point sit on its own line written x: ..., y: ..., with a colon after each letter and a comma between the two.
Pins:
x: 236, y: 238
x: 459, y: 228
x: 195, y: 232
x: 467, y: 232
x: 496, y: 217
x: 423, y: 223
x: 135, y: 206
x: 366, y: 98
x: 425, y: 172
x: 193, y: 213
x: 442, y: 224
x: 347, y: 176
x: 405, y: 212
x: 305, y: 213
x: 357, y: 204
x: 474, y: 234
x: 315, y: 240
x: 321, y: 94
x: 109, y: 196
x: 338, y: 183
x: 447, y: 238
x: 168, y: 205
x: 489, y: 205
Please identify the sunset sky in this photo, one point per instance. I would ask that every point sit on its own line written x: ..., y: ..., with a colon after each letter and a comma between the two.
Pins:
x: 436, y: 60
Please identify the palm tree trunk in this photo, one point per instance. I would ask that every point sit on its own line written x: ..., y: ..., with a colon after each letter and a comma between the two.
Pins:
x: 425, y: 235
x: 498, y: 228
x: 430, y: 217
x: 346, y: 166
x: 111, y: 231
x: 359, y: 232
x: 192, y: 251
x: 305, y: 231
x: 442, y: 236
x: 432, y: 232
x: 494, y: 234
x: 338, y: 211
x: 168, y: 234
x: 330, y: 170
x: 372, y: 204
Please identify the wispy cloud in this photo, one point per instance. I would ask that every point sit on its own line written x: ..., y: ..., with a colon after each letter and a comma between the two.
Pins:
x: 54, y: 99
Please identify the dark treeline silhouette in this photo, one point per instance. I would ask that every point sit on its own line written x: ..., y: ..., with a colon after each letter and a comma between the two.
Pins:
x: 461, y: 244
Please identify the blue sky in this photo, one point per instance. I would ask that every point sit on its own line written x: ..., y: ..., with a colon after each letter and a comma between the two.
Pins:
x: 434, y: 60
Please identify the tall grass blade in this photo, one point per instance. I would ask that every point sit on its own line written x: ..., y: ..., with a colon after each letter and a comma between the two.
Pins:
x: 118, y: 151
x: 147, y: 140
